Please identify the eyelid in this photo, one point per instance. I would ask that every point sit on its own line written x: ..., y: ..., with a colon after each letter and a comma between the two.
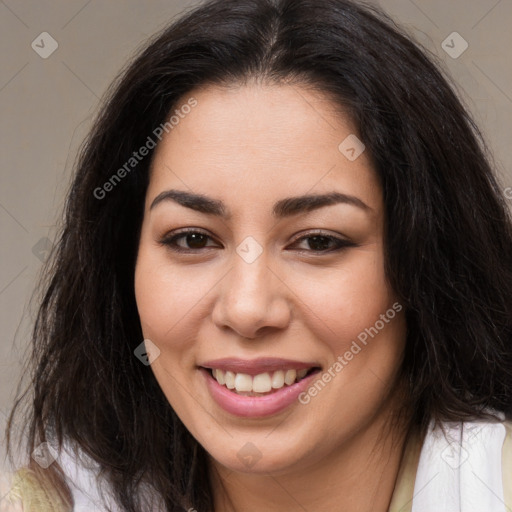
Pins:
x: 186, y: 231
x: 319, y: 232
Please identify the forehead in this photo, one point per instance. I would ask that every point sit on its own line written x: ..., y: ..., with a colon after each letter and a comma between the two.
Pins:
x: 256, y: 140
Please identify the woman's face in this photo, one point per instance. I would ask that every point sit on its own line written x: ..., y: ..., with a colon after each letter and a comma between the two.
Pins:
x: 281, y: 274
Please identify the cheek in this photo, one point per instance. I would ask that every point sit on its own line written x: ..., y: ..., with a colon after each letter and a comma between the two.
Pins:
x: 169, y: 299
x: 356, y: 320
x: 166, y: 302
x: 345, y: 301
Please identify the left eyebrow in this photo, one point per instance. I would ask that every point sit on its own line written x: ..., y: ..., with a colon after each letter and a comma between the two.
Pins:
x: 283, y: 208
x: 300, y: 204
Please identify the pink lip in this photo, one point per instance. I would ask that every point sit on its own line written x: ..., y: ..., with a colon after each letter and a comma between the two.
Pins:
x: 256, y: 366
x: 256, y: 406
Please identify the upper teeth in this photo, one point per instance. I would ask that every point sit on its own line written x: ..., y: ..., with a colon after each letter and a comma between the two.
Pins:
x: 261, y: 383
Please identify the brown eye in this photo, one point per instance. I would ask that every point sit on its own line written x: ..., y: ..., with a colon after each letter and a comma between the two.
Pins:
x: 195, y: 240
x: 188, y: 241
x: 320, y: 243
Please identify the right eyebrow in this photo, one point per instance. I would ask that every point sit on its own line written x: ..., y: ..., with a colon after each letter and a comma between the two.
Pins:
x: 196, y: 202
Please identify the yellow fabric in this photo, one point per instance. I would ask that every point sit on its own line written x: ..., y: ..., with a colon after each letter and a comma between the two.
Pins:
x: 507, y: 466
x: 33, y: 496
x: 401, y: 501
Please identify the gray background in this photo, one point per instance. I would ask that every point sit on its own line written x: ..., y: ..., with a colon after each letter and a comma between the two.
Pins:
x: 47, y: 106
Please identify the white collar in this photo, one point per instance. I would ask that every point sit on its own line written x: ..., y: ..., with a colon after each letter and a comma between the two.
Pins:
x: 462, y: 471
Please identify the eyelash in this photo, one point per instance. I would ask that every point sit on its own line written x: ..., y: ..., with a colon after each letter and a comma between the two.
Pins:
x: 171, y: 239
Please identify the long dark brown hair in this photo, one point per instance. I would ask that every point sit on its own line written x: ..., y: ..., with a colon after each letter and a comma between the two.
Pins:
x: 448, y: 237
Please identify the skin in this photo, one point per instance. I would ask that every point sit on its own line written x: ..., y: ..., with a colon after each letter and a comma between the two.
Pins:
x: 250, y: 147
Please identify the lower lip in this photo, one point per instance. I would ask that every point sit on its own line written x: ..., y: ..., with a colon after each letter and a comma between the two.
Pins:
x: 255, y: 406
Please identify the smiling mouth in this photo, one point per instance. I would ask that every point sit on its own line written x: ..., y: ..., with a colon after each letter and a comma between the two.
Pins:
x: 261, y: 384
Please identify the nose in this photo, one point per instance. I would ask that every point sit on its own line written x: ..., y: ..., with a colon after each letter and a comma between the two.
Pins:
x: 252, y: 300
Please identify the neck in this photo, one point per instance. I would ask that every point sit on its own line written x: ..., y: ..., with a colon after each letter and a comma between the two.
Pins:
x: 359, y: 475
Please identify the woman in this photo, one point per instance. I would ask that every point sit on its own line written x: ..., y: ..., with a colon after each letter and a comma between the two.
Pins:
x: 283, y: 281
